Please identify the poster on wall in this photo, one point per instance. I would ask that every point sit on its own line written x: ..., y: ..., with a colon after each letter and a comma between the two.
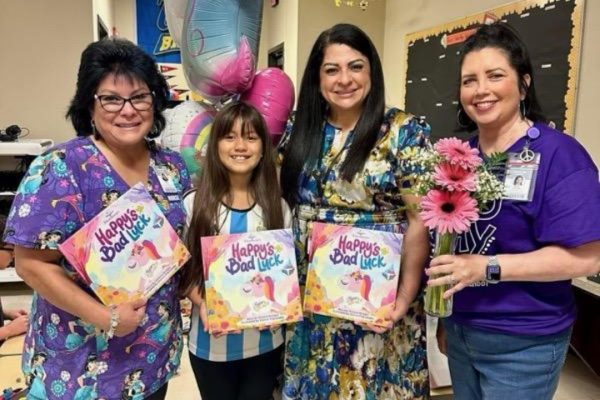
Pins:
x: 551, y: 30
x: 153, y: 36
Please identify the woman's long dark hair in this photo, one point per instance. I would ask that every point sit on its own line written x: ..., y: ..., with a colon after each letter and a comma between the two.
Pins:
x: 304, y: 145
x: 213, y: 187
x: 502, y: 36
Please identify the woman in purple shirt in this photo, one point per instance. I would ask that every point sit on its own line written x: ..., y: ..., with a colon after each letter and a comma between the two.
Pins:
x: 513, y: 305
x: 75, y: 346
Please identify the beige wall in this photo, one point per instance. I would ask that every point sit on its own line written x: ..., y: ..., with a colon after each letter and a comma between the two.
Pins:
x: 105, y: 10
x: 280, y: 25
x: 125, y: 19
x: 40, y: 50
x: 411, y: 16
x: 39, y: 62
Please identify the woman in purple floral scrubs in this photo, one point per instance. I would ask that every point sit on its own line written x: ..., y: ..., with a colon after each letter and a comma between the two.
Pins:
x: 116, y: 112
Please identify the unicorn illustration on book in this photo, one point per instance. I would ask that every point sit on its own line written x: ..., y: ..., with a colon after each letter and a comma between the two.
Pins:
x: 142, y: 253
x: 358, y: 288
x: 262, y: 290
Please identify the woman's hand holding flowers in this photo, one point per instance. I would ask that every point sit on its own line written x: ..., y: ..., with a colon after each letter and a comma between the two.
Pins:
x: 459, y: 271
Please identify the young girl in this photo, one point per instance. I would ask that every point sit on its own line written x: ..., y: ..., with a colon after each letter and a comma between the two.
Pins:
x: 237, y: 192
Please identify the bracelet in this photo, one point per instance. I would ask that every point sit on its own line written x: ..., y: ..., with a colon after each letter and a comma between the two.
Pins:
x: 114, y: 322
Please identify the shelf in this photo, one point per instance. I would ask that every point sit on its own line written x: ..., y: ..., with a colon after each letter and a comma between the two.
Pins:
x: 587, y: 285
x: 25, y: 147
x: 9, y: 275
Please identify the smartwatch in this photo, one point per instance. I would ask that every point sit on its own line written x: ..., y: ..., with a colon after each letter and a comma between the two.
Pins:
x: 492, y: 270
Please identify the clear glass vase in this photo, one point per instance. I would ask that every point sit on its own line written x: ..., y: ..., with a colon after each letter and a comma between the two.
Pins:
x: 435, y: 304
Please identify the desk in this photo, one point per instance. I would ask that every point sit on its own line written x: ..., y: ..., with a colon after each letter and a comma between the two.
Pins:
x: 10, y: 363
x: 25, y: 147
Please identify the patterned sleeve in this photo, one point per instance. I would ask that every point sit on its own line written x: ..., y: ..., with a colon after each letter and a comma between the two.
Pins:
x: 184, y: 175
x: 48, y: 205
x: 409, y: 131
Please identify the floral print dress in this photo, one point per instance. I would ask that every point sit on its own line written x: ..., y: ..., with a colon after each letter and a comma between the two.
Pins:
x: 65, y: 357
x: 330, y: 358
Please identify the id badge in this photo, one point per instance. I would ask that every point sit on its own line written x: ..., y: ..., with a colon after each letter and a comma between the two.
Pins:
x: 166, y: 179
x: 519, y: 180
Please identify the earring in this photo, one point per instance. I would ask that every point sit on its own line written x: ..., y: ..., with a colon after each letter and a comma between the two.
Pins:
x: 458, y: 121
x: 523, y: 109
x: 94, y: 131
x: 153, y: 131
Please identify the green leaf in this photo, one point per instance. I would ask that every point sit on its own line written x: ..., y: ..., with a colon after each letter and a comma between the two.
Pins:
x: 495, y: 160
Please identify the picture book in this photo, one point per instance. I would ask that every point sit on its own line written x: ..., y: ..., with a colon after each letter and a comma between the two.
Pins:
x: 352, y: 273
x: 251, y: 280
x: 127, y: 251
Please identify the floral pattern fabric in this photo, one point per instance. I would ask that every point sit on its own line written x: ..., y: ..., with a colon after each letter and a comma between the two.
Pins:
x: 330, y: 358
x: 65, y: 357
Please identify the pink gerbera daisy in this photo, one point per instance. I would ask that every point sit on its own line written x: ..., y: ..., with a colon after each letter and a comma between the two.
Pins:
x: 448, y: 212
x: 454, y: 177
x: 458, y: 152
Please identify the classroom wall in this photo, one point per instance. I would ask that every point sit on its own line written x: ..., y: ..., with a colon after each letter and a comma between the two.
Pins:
x: 125, y: 25
x: 280, y: 25
x: 40, y: 53
x: 105, y: 10
x: 412, y: 16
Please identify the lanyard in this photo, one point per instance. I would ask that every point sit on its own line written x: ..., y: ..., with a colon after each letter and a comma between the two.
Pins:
x: 527, y: 155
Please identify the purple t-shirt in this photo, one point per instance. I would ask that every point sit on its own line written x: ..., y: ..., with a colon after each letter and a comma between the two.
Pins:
x: 65, y: 357
x: 565, y: 211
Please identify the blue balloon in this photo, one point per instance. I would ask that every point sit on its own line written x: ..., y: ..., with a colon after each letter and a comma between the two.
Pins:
x: 219, y: 43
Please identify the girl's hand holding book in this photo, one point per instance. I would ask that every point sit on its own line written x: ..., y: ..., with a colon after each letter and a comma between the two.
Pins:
x: 203, y: 312
x: 272, y: 328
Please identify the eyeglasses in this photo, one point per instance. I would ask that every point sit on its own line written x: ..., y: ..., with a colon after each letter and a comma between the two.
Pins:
x: 113, y: 103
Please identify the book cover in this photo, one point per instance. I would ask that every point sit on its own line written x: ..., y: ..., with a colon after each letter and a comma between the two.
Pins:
x: 127, y: 251
x: 352, y: 273
x: 251, y: 280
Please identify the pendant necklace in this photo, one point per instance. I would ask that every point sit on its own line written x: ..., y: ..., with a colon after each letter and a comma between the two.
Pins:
x: 527, y: 155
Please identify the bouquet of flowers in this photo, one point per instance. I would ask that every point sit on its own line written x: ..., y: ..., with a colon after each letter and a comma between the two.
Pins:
x: 455, y: 184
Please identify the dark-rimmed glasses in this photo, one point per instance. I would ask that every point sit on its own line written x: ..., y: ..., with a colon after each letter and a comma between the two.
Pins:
x: 113, y: 103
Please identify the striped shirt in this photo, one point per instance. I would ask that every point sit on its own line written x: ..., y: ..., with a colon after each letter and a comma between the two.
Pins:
x: 250, y: 342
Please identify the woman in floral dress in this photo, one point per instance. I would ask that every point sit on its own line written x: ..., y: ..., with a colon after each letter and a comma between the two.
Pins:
x: 340, y: 165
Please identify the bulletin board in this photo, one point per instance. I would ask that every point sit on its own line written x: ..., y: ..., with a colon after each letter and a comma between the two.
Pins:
x: 551, y: 30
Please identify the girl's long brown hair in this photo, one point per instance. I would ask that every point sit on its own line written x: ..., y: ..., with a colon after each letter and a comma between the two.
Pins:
x: 213, y: 187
